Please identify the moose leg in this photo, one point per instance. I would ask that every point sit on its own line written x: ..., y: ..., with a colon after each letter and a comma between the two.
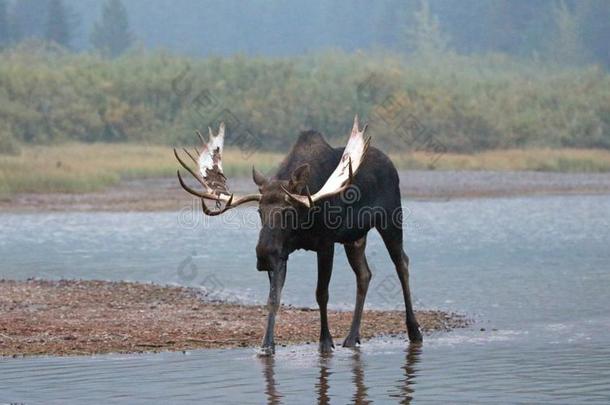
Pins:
x: 357, y: 260
x: 276, y: 283
x: 393, y: 243
x: 325, y: 269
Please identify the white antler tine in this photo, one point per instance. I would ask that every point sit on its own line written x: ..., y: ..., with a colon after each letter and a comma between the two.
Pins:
x: 211, y: 133
x: 200, y: 135
x: 221, y: 129
x: 355, y: 128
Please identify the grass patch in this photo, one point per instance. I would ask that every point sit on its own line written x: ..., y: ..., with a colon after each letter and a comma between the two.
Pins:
x: 544, y: 160
x: 79, y: 167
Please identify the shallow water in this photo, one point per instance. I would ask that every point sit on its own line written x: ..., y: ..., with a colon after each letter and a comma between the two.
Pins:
x: 533, y: 272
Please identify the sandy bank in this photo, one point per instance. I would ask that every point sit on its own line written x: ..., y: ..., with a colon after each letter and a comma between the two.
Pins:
x: 39, y: 317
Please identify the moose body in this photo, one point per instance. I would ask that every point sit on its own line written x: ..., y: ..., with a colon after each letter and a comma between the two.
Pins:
x: 293, y: 219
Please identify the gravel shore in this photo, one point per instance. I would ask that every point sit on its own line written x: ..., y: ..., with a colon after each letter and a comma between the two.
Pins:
x: 74, y: 317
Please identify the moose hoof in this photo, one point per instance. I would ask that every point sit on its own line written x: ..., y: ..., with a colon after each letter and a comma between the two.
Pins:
x: 415, y: 336
x: 351, y: 341
x: 266, y: 351
x: 326, y: 346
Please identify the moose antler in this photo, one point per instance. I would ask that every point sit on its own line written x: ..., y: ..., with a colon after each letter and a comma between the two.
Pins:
x: 211, y: 176
x: 343, y: 176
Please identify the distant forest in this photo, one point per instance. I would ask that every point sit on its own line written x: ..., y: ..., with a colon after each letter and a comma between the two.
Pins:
x: 523, y: 28
x: 462, y: 76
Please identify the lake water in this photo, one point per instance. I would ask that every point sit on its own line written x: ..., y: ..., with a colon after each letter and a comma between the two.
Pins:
x: 533, y: 272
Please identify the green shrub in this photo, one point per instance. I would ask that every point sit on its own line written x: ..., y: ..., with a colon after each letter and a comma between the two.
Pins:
x: 463, y: 104
x: 8, y: 145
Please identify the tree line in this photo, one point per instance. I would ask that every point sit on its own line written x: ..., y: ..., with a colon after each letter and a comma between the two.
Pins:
x: 459, y: 104
x: 57, y: 23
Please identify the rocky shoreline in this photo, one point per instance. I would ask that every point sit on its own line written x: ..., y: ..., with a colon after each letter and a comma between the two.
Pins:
x: 77, y: 317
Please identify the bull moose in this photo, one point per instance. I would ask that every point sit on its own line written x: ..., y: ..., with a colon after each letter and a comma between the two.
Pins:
x: 354, y: 190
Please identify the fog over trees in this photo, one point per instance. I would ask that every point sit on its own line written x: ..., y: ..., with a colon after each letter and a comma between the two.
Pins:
x: 568, y: 30
x: 111, y: 35
x: 58, y: 27
x: 4, y: 28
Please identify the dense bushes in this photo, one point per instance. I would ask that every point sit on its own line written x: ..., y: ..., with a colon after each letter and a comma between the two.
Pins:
x: 464, y: 104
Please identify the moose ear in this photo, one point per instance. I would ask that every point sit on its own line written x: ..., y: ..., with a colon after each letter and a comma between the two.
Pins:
x: 259, y: 179
x: 299, y: 178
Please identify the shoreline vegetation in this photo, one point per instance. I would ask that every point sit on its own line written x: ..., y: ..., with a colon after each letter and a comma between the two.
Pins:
x: 77, y: 317
x: 442, y: 101
x: 83, y: 168
x: 78, y: 123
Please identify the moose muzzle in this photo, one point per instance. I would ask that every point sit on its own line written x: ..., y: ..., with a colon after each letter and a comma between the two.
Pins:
x: 268, y: 258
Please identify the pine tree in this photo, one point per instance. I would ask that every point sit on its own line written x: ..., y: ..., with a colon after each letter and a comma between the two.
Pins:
x: 58, y: 27
x: 111, y: 35
x: 426, y: 38
x: 567, y: 48
x: 4, y: 28
x: 595, y: 23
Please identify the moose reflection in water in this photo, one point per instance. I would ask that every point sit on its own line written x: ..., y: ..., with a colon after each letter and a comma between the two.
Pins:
x: 403, y: 393
x: 357, y: 183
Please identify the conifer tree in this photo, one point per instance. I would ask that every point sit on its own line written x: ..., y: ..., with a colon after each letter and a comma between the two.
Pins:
x: 567, y: 46
x: 111, y: 35
x: 426, y: 37
x: 4, y: 25
x: 57, y: 26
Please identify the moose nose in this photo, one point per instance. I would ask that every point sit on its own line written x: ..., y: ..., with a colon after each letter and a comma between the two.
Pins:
x: 263, y: 264
x: 265, y: 256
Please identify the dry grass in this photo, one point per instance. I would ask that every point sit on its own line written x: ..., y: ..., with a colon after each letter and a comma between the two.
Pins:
x: 548, y: 160
x: 77, y: 167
